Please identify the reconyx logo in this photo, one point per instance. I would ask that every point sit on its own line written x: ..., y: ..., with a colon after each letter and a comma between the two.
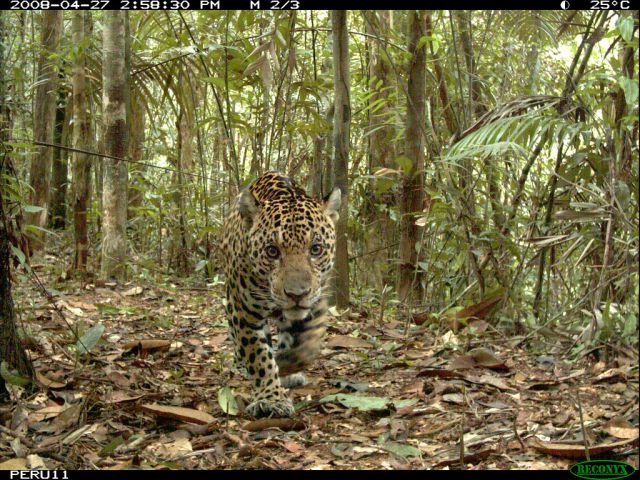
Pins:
x: 602, y: 469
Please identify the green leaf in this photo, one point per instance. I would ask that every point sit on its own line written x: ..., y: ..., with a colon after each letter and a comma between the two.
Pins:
x: 110, y: 447
x: 402, y: 449
x: 625, y: 27
x: 630, y: 88
x: 19, y: 255
x: 367, y: 403
x: 200, y: 265
x: 405, y: 164
x: 89, y: 339
x: 227, y: 401
x: 13, y: 377
x: 32, y: 208
x: 216, y: 81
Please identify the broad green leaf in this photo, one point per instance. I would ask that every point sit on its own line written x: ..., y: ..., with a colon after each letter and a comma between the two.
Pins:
x: 106, y: 308
x: 19, y: 255
x: 200, y: 265
x: 110, y: 447
x: 32, y: 208
x: 367, y: 403
x: 405, y: 164
x: 625, y: 27
x: 623, y: 194
x: 227, y: 401
x: 402, y: 449
x: 13, y: 377
x: 89, y: 339
x: 630, y: 88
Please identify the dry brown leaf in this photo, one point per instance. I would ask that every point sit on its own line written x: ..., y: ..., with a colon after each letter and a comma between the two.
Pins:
x: 487, y: 379
x: 132, y: 291
x: 82, y: 305
x: 120, y: 466
x: 286, y: 424
x: 291, y: 446
x: 463, y: 362
x: 47, y: 382
x: 476, y: 326
x: 118, y: 396
x: 577, y: 451
x: 46, y: 413
x: 217, y: 340
x: 620, y: 428
x: 178, y: 413
x: 347, y: 341
x: 67, y: 418
x: 171, y: 450
x: 119, y: 379
x: 423, y: 317
x: 468, y: 458
x: 477, y: 311
x: 478, y: 357
x: 611, y: 375
x: 136, y: 346
x: 485, y: 358
x: 439, y: 373
x: 75, y: 310
x: 14, y: 464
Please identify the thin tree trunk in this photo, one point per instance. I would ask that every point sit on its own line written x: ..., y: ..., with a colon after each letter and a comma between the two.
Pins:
x: 60, y: 168
x: 412, y: 197
x: 44, y: 120
x: 184, y: 162
x: 6, y: 114
x: 136, y: 149
x: 449, y: 116
x: 553, y: 182
x: 82, y: 141
x: 341, y: 123
x: 115, y: 84
x: 380, y: 149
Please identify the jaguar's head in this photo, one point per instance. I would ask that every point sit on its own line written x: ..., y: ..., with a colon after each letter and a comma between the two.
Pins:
x: 292, y: 247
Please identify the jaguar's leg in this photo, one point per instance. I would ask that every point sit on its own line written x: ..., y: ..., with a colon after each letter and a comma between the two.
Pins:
x: 299, y: 342
x: 238, y: 364
x: 284, y: 344
x: 254, y: 350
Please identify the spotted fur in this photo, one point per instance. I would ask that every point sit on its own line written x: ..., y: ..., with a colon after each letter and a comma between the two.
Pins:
x: 279, y: 247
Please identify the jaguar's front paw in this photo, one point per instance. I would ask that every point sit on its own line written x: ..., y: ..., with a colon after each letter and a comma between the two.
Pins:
x: 271, y: 408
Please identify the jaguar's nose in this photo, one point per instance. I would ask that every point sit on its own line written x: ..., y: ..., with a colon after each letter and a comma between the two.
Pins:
x: 297, y: 294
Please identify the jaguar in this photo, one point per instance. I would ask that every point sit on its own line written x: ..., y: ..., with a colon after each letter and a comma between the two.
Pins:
x: 278, y: 247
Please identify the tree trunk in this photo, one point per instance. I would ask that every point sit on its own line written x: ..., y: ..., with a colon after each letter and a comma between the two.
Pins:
x: 447, y: 110
x: 115, y: 80
x: 341, y: 123
x: 412, y: 188
x: 44, y: 120
x: 184, y: 162
x: 6, y: 112
x: 380, y: 150
x: 81, y: 141
x: 11, y: 351
x: 136, y: 149
x: 60, y: 169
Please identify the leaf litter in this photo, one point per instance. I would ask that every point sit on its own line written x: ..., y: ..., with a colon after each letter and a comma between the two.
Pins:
x: 147, y: 382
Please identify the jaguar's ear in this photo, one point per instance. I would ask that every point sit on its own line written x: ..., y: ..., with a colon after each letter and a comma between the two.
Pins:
x: 332, y: 205
x: 248, y: 207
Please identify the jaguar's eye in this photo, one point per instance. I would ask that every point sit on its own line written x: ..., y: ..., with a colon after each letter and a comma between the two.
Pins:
x: 316, y: 249
x: 272, y: 252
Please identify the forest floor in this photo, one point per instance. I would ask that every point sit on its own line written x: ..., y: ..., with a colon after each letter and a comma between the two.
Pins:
x: 376, y: 398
